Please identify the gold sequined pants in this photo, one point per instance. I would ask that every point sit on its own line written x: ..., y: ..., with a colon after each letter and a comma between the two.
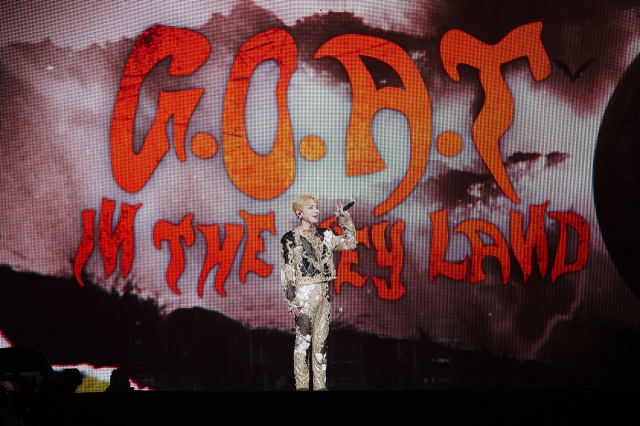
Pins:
x: 312, y: 329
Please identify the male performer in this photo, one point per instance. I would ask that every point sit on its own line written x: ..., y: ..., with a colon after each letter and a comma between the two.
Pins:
x: 306, y: 265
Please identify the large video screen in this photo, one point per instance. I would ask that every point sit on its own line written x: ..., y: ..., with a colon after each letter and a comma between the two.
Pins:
x: 151, y: 152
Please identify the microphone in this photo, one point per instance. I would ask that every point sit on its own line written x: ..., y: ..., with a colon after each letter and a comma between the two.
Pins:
x: 345, y: 208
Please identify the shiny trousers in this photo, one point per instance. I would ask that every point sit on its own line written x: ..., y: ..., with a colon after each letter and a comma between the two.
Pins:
x: 312, y: 329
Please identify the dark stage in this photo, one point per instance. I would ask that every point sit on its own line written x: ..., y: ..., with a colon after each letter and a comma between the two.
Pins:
x: 199, y: 350
x: 416, y: 381
x: 569, y: 406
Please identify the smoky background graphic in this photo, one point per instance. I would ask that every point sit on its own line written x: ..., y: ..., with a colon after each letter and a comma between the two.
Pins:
x: 60, y: 68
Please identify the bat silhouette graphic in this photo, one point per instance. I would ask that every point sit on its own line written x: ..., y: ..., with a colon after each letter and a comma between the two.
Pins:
x: 573, y: 76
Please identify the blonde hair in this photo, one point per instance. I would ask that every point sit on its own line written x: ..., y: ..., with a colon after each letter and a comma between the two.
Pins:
x: 300, y: 202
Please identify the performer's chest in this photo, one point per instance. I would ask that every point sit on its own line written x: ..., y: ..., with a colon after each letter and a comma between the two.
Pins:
x: 311, y: 248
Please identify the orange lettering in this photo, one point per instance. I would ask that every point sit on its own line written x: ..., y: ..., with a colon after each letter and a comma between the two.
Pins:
x: 109, y: 242
x: 219, y: 255
x: 254, y: 245
x: 260, y: 176
x: 362, y: 157
x: 331, y: 221
x: 348, y: 258
x: 392, y: 257
x: 188, y: 51
x: 579, y: 224
x: 536, y: 237
x: 496, y: 115
x: 166, y: 231
x: 439, y: 244
x: 86, y: 244
x: 479, y: 251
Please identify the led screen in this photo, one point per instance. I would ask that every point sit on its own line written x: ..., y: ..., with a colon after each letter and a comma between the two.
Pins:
x: 150, y: 154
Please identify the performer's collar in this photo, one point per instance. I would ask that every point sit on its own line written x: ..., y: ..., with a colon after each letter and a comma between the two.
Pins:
x: 312, y: 230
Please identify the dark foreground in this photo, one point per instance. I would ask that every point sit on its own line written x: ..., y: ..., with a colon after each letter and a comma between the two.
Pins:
x: 199, y: 350
x: 528, y: 407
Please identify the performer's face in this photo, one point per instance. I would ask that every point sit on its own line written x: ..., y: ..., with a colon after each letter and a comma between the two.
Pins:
x: 312, y: 212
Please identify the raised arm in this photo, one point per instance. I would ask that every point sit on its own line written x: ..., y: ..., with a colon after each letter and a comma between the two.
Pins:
x: 348, y: 241
x: 287, y: 273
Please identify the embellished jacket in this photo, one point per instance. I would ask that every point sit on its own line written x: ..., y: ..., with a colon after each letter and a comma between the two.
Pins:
x: 306, y: 257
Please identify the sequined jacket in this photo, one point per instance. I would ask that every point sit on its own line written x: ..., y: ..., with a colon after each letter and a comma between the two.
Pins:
x: 306, y: 257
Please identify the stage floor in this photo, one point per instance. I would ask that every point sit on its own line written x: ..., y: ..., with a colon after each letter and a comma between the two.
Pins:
x: 604, y: 406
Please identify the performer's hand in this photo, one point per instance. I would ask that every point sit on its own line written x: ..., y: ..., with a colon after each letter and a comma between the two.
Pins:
x: 295, y: 312
x: 339, y: 207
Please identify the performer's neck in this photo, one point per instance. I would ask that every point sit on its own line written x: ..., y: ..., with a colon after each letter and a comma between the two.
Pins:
x: 306, y: 225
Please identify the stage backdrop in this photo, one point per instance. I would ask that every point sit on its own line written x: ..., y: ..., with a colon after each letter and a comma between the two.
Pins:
x: 150, y: 153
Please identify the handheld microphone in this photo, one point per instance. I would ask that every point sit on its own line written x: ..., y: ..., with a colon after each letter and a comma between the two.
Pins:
x: 345, y: 208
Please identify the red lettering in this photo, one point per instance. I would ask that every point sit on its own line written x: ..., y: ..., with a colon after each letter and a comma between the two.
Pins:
x: 579, y: 224
x: 439, y: 244
x: 219, y: 254
x: 536, y: 237
x: 86, y: 244
x: 496, y: 115
x: 362, y: 156
x: 479, y: 251
x: 109, y: 242
x: 349, y: 258
x: 328, y: 222
x: 166, y: 231
x: 256, y: 224
x: 389, y: 257
x: 260, y: 176
x: 188, y: 51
